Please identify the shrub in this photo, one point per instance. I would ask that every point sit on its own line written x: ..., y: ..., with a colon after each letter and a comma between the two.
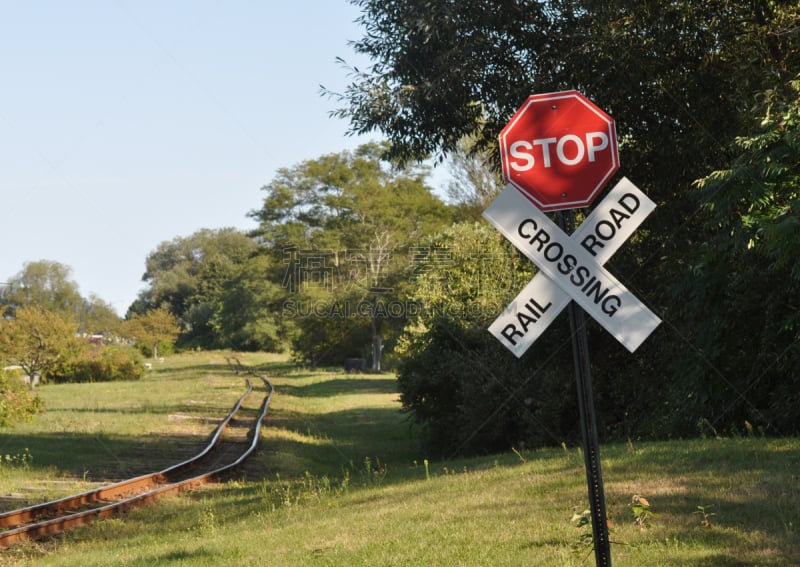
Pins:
x: 104, y: 363
x: 470, y: 396
x: 17, y: 402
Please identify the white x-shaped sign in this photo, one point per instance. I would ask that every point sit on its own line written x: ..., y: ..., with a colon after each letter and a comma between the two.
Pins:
x: 571, y: 268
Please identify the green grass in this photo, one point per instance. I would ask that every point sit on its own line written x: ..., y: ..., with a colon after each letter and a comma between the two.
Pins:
x: 93, y: 433
x: 339, y: 480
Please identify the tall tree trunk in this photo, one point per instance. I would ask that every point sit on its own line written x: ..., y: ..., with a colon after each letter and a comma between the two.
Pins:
x: 377, y: 342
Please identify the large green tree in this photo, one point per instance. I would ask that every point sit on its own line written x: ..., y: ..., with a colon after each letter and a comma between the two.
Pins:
x: 342, y: 225
x: 463, y: 389
x: 189, y: 275
x: 251, y: 314
x: 743, y: 289
x: 681, y: 78
x: 455, y: 379
x: 669, y: 70
x: 47, y: 284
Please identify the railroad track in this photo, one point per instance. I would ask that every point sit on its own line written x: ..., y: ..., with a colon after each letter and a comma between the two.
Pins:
x: 54, y: 517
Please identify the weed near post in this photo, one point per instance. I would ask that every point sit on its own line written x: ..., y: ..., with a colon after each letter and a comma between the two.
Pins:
x: 705, y: 516
x: 642, y: 514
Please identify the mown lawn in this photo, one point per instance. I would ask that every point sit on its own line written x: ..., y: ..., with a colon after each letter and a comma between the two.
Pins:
x: 340, y: 480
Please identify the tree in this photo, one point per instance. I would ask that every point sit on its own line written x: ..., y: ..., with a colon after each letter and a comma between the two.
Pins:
x: 46, y: 284
x: 330, y: 202
x: 99, y: 316
x: 745, y: 280
x: 340, y: 223
x: 152, y: 330
x: 189, y: 275
x: 37, y: 340
x: 474, y: 181
x: 682, y: 79
x: 251, y: 315
x: 443, y: 71
x: 459, y: 384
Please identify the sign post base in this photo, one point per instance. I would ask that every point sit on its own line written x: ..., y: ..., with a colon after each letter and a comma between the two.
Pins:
x: 591, y: 444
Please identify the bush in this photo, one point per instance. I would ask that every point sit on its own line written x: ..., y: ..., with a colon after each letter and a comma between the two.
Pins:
x: 17, y: 402
x: 470, y: 396
x: 104, y: 363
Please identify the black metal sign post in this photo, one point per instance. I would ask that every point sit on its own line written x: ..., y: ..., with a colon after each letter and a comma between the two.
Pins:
x: 591, y: 444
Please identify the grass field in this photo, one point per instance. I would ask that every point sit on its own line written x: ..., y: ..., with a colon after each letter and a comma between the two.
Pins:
x: 339, y: 480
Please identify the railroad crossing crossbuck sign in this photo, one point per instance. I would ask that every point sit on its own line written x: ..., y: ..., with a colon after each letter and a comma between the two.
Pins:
x: 571, y: 268
x: 566, y: 275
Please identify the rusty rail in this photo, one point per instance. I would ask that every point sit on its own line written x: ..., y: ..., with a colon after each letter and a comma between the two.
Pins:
x: 52, y: 518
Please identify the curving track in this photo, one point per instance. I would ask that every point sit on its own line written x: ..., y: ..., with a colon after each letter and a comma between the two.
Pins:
x: 51, y: 518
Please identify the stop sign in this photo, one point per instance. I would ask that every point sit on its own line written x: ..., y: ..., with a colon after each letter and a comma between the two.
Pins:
x: 559, y: 149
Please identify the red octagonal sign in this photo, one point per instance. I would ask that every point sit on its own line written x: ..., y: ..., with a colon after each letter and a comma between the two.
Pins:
x: 559, y: 149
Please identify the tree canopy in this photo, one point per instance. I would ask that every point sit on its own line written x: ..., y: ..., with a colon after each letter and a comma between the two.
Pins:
x: 188, y: 276
x: 746, y: 278
x: 46, y: 284
x: 153, y: 330
x: 667, y: 71
x: 689, y: 85
x: 343, y: 225
x: 37, y: 340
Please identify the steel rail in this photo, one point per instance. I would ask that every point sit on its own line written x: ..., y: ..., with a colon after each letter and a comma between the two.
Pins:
x: 149, y: 487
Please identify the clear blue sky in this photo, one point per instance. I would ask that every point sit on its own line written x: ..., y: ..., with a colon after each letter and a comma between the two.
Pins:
x: 125, y: 123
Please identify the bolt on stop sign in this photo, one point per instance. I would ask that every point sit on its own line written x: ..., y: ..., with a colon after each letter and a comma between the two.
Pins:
x: 559, y: 150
